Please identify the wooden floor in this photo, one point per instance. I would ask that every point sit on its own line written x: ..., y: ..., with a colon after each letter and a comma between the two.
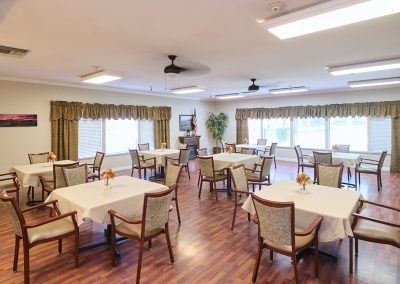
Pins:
x: 205, y: 249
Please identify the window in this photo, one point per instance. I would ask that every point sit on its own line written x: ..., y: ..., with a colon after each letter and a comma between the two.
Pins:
x: 121, y: 135
x: 254, y: 130
x: 381, y: 135
x: 309, y: 132
x: 277, y: 130
x: 349, y: 130
x: 89, y: 137
x: 146, y: 132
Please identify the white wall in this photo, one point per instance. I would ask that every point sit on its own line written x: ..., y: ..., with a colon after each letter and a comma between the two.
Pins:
x: 29, y: 98
x: 352, y: 96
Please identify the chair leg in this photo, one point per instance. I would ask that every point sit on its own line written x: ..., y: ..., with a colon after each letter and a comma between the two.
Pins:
x: 378, y: 181
x: 275, y: 162
x: 258, y: 259
x: 26, y: 264
x: 171, y: 255
x: 201, y: 185
x: 198, y: 180
x: 234, y: 214
x: 16, y: 252
x: 59, y: 246
x: 139, y: 268
x: 177, y: 208
x: 132, y: 172
x: 296, y: 272
x: 149, y: 244
x: 271, y: 255
x: 248, y: 217
x: 77, y: 248
x: 348, y: 174
x: 316, y: 260
x: 145, y: 173
x: 351, y: 255
x: 187, y: 168
x: 355, y: 180
x: 112, y: 246
x: 356, y: 245
x: 140, y: 173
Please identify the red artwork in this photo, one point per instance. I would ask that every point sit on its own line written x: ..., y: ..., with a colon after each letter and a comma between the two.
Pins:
x: 18, y: 120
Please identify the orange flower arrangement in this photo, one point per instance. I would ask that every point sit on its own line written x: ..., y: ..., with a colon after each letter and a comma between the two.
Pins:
x: 107, y: 174
x: 303, y: 179
x: 52, y: 157
x: 228, y: 148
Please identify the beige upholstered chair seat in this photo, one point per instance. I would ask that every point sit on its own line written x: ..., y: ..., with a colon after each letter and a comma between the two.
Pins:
x: 367, y: 169
x: 135, y: 229
x: 377, y: 231
x: 218, y: 177
x: 252, y: 176
x: 300, y: 241
x: 242, y: 200
x: 47, y: 183
x: 149, y: 163
x: 50, y: 230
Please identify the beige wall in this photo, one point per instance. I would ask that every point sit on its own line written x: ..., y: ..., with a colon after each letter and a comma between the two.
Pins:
x: 354, y: 96
x: 17, y: 97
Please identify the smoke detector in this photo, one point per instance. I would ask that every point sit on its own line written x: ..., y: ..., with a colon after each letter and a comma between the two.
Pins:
x: 277, y: 7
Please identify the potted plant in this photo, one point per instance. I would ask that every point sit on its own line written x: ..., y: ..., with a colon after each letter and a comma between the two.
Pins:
x: 216, y: 125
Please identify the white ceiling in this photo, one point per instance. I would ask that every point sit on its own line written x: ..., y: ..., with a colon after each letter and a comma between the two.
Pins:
x: 221, y: 38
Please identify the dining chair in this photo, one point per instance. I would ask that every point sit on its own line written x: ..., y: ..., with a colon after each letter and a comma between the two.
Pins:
x: 302, y: 162
x: 58, y: 175
x: 75, y: 175
x: 200, y: 153
x: 139, y: 163
x: 272, y: 151
x: 260, y: 176
x: 9, y: 182
x: 277, y: 232
x: 182, y: 146
x: 209, y: 174
x: 329, y: 175
x: 370, y: 166
x: 183, y: 159
x: 262, y: 142
x: 38, y: 158
x: 240, y: 187
x: 375, y: 230
x: 172, y: 175
x: 153, y: 222
x: 223, y: 145
x: 144, y: 147
x: 342, y: 148
x: 322, y: 157
x: 96, y: 166
x: 247, y: 151
x: 34, y: 233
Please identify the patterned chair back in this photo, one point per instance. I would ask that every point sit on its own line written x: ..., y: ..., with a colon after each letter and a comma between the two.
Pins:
x: 134, y: 156
x: 299, y: 153
x: 58, y: 175
x: 322, y: 157
x: 266, y: 166
x: 38, y: 158
x: 275, y: 221
x: 184, y: 156
x: 343, y: 148
x: 330, y: 175
x: 381, y: 160
x: 98, y: 159
x: 172, y: 174
x: 262, y: 142
x: 17, y: 217
x: 75, y: 175
x: 206, y: 165
x: 202, y: 152
x: 144, y: 147
x: 182, y: 146
x: 272, y: 149
x: 156, y: 210
x: 238, y: 174
x: 247, y: 151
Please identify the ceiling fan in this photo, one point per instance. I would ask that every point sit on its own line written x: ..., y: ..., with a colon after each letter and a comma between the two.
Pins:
x: 193, y: 68
x: 172, y: 70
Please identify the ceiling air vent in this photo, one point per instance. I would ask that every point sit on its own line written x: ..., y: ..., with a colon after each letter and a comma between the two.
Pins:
x: 13, y: 51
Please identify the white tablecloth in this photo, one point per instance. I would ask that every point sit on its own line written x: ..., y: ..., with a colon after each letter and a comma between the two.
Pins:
x: 28, y: 174
x: 160, y: 155
x: 335, y: 205
x: 92, y: 201
x: 253, y: 146
x: 348, y: 159
x: 226, y: 160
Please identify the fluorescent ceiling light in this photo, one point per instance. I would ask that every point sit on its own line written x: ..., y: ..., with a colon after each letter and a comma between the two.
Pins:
x: 188, y: 90
x: 288, y: 90
x: 365, y: 67
x: 329, y: 15
x: 375, y: 82
x: 230, y: 96
x: 102, y: 76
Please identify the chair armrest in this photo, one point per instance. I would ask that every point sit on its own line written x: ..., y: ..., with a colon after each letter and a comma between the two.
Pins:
x: 371, y: 160
x: 261, y: 151
x: 356, y: 215
x: 41, y: 205
x: 14, y: 174
x: 313, y: 226
x: 368, y: 163
x: 154, y: 159
x: 53, y: 219
x: 380, y: 205
x: 115, y: 214
x: 243, y: 192
x: 90, y: 164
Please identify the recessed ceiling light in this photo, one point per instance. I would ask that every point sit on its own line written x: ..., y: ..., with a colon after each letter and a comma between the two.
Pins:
x: 329, y: 15
x: 229, y: 96
x: 101, y: 76
x: 375, y: 82
x: 288, y: 90
x: 365, y: 67
x: 188, y: 90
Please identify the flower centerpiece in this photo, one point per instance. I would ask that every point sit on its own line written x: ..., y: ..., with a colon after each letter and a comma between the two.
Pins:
x: 228, y: 148
x: 107, y: 176
x: 303, y: 179
x: 52, y: 157
x: 163, y: 146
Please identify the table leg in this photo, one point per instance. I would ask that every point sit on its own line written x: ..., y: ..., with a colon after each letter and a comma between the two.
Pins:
x: 32, y: 201
x: 301, y: 254
x: 159, y: 175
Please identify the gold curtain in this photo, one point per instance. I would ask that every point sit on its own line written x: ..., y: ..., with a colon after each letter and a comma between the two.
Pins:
x: 395, y: 154
x: 242, y: 131
x: 64, y: 139
x: 161, y: 133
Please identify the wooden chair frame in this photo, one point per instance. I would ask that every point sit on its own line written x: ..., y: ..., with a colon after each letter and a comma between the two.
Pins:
x: 262, y: 180
x: 139, y: 167
x: 184, y: 165
x: 176, y: 185
x: 300, y: 160
x: 143, y: 144
x: 77, y: 166
x: 244, y: 149
x: 339, y: 182
x: 378, y: 173
x: 198, y: 180
x: 12, y: 176
x: 115, y: 215
x: 212, y: 181
x: 37, y: 154
x: 98, y: 169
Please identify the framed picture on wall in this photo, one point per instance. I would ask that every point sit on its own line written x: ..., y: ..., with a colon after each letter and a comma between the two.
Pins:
x: 18, y: 120
x: 185, y: 122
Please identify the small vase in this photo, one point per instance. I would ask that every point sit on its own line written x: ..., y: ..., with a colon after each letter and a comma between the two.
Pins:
x: 107, y: 183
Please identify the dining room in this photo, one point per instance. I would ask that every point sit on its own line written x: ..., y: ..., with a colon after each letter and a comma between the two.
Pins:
x: 208, y: 156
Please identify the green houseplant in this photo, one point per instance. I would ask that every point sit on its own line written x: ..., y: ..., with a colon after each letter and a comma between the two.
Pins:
x: 216, y: 125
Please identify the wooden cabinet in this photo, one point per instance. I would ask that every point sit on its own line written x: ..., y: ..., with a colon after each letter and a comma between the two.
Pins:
x: 193, y: 143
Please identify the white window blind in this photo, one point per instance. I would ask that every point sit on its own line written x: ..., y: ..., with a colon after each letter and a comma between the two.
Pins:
x: 277, y: 130
x: 254, y: 130
x: 121, y: 135
x: 89, y: 137
x: 351, y: 131
x: 380, y: 137
x: 309, y: 132
x: 146, y: 131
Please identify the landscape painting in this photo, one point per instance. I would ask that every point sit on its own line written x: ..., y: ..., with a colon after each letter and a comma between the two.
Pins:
x: 18, y: 120
x: 185, y: 122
